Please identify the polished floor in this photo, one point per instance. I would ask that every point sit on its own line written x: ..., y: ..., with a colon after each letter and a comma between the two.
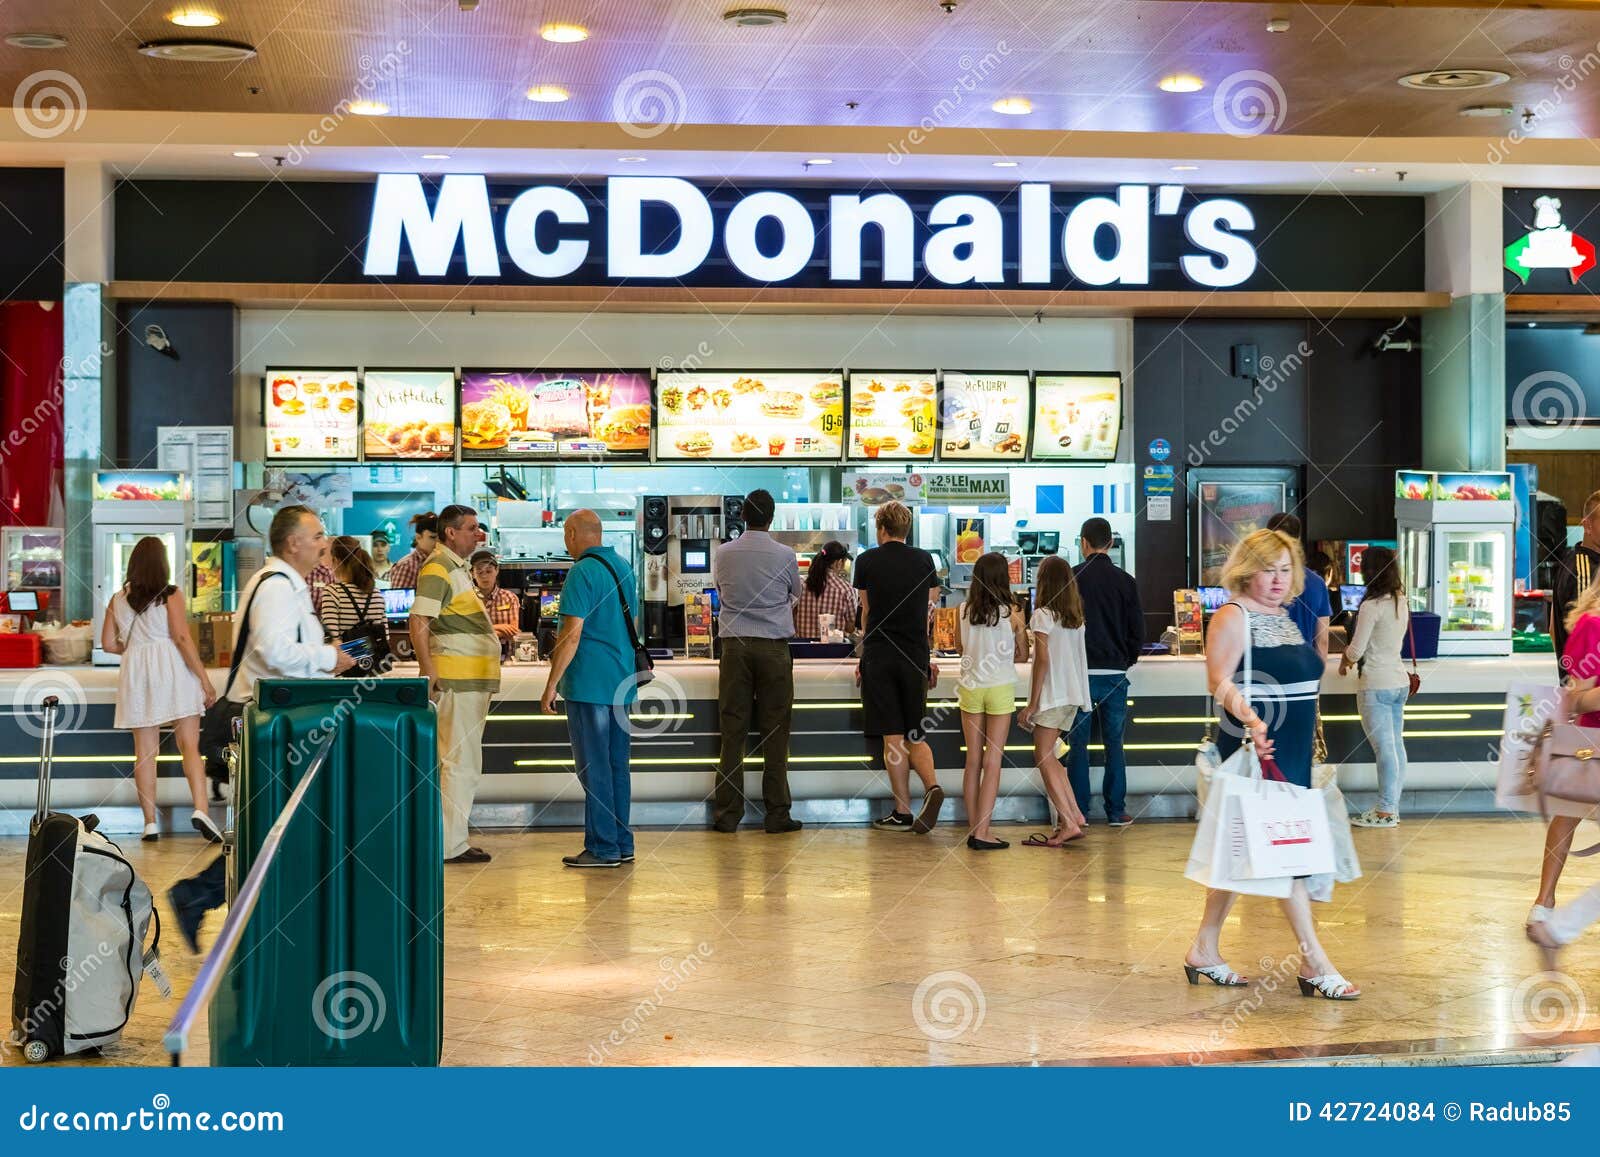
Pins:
x: 846, y: 946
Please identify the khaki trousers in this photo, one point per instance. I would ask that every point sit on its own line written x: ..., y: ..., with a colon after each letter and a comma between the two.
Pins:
x: 461, y: 718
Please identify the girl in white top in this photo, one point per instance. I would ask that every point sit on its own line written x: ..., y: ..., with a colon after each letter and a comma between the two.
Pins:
x: 1060, y: 690
x: 1384, y: 687
x: 994, y: 640
x: 161, y: 683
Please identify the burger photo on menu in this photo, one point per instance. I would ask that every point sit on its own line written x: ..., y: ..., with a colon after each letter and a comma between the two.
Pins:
x: 409, y: 414
x: 312, y: 414
x: 750, y: 414
x: 985, y: 416
x: 553, y: 414
x: 892, y: 414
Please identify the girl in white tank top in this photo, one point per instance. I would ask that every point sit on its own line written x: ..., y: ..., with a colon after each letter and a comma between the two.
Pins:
x: 994, y: 639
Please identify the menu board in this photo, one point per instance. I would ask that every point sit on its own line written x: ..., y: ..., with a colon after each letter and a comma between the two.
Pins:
x: 312, y: 414
x: 555, y: 414
x: 892, y: 414
x: 985, y: 417
x: 761, y: 414
x: 1076, y: 416
x: 409, y: 413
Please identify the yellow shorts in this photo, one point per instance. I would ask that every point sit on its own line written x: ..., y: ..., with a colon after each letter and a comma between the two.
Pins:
x: 987, y: 700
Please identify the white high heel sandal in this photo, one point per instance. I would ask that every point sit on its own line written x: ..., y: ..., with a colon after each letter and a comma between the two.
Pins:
x: 1330, y: 986
x: 1219, y: 974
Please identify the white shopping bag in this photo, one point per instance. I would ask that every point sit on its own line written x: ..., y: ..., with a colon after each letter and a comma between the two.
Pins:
x: 1346, y: 864
x: 1529, y: 706
x: 1220, y: 831
x: 1285, y: 832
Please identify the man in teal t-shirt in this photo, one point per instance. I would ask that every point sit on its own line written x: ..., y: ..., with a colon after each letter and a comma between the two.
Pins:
x: 592, y: 668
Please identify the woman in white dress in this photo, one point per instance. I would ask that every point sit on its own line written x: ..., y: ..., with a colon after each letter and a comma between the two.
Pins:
x: 162, y: 682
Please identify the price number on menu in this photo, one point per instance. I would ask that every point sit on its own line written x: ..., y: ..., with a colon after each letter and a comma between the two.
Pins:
x: 831, y: 423
x: 919, y: 424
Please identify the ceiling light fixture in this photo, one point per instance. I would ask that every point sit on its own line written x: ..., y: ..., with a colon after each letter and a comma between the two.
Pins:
x: 1013, y: 106
x: 548, y: 93
x: 1365, y: 169
x: 755, y: 17
x: 1184, y: 168
x: 1005, y: 164
x: 245, y: 154
x: 1454, y: 79
x: 194, y: 18
x: 564, y: 33
x: 198, y: 51
x: 1181, y: 82
x: 368, y: 108
x: 36, y: 40
x: 819, y: 161
x: 436, y: 156
x: 630, y: 160
x: 1486, y: 110
x: 1278, y: 24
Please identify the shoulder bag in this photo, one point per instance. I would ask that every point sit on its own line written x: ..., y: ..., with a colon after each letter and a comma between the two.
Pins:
x: 1412, y: 676
x: 216, y: 725
x: 643, y: 665
x: 376, y: 636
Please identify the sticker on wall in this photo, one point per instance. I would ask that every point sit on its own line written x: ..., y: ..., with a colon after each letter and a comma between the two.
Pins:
x: 1160, y: 449
x: 1550, y: 245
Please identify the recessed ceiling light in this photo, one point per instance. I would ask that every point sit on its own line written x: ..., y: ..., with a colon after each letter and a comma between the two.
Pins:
x: 819, y: 161
x: 1533, y: 325
x: 1486, y: 110
x: 548, y: 93
x: 1278, y: 24
x: 630, y: 160
x: 755, y: 17
x: 1365, y: 169
x: 198, y: 51
x: 1013, y: 106
x: 1454, y: 79
x: 1184, y: 168
x: 1181, y: 82
x: 245, y: 154
x: 436, y: 156
x: 36, y: 40
x: 1005, y: 164
x: 564, y: 33
x: 368, y: 108
x: 194, y: 18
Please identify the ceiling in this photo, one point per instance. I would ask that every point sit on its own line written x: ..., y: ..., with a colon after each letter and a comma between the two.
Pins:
x: 651, y: 66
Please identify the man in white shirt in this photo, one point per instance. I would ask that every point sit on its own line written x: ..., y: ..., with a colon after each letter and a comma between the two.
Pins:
x: 280, y: 639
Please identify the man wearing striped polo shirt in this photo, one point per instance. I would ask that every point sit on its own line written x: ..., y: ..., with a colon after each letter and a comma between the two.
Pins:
x: 459, y: 654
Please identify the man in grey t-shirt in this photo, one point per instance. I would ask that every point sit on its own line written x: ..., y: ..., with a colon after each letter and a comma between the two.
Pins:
x: 758, y: 581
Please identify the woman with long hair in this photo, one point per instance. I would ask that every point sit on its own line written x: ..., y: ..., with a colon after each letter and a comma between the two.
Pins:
x: 993, y: 640
x: 162, y: 682
x: 352, y: 600
x: 1060, y: 689
x: 826, y: 593
x: 1276, y: 709
x: 1383, y: 685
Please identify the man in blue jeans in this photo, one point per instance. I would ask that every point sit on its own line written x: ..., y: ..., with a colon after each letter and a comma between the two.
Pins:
x: 1113, y: 636
x: 592, y: 666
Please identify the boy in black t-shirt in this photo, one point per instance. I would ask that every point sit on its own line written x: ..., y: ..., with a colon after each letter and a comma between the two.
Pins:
x: 898, y: 585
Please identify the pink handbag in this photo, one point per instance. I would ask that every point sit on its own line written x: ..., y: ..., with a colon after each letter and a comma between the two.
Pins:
x: 1565, y: 765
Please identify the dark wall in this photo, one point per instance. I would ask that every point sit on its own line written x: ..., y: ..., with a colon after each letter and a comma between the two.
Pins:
x: 1552, y: 374
x: 32, y: 216
x: 195, y: 389
x: 1345, y: 417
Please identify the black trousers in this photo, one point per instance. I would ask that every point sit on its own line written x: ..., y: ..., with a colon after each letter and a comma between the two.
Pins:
x: 756, y: 687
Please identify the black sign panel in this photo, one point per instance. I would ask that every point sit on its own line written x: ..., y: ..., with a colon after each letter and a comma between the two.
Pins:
x: 1550, y: 239
x: 32, y: 227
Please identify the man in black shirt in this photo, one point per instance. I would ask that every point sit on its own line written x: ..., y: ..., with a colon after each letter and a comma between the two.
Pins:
x: 1574, y: 571
x: 898, y: 585
x: 1113, y: 637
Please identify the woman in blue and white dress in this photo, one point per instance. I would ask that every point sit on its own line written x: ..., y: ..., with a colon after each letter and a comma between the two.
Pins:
x: 1274, y: 703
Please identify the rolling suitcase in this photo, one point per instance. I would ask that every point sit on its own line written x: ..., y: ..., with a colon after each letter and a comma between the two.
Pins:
x: 85, y: 914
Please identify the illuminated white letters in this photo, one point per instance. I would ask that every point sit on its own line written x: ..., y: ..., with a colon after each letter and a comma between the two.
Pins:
x: 799, y: 236
x: 847, y: 216
x: 625, y: 199
x: 968, y: 220
x: 1204, y: 227
x: 1033, y: 249
x: 461, y: 210
x: 522, y: 219
x: 1129, y: 215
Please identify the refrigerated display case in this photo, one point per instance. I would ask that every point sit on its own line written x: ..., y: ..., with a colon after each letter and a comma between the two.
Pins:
x: 1456, y: 556
x: 130, y: 505
x: 33, y: 558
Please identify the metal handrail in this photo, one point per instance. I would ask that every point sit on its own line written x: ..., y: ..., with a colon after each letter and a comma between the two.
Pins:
x: 176, y: 1038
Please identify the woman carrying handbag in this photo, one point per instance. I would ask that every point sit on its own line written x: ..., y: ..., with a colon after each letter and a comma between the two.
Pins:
x: 1271, y: 701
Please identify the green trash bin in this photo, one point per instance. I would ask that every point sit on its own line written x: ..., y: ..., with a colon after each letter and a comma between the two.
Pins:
x: 342, y: 962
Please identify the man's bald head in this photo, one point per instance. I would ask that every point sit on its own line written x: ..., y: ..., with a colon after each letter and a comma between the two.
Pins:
x: 581, y: 531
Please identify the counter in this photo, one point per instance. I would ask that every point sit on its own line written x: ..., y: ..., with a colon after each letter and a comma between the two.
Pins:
x: 1451, y: 736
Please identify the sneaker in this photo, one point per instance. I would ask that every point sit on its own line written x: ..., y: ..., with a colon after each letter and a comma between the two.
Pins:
x: 895, y: 822
x: 586, y: 859
x: 1372, y: 819
x: 206, y: 826
x: 471, y: 856
x: 1538, y: 914
x: 1121, y: 821
x: 189, y: 915
x: 928, y: 816
x: 627, y: 857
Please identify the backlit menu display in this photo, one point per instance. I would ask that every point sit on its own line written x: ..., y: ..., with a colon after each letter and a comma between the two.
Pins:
x: 892, y: 414
x: 555, y: 414
x: 787, y: 414
x: 1076, y: 417
x: 312, y: 414
x: 985, y: 417
x: 409, y: 414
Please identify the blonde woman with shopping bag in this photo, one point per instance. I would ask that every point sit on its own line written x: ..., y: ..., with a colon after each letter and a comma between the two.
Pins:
x: 1265, y: 678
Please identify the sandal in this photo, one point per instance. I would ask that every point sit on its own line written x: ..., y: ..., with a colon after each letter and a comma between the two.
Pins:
x: 1219, y: 974
x: 1549, y: 945
x: 1040, y: 840
x: 1329, y: 986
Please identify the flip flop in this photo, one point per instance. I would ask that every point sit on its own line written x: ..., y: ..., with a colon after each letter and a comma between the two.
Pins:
x: 1038, y: 840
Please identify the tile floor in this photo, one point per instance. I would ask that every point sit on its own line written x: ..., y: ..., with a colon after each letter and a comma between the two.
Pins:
x: 845, y: 946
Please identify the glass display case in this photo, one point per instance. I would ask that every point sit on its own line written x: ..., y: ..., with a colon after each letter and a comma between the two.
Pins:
x: 1455, y: 535
x: 33, y: 560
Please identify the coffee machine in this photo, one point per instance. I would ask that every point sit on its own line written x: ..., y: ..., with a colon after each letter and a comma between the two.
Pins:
x: 680, y: 535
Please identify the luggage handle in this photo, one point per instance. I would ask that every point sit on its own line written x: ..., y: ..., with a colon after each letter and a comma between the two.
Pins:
x: 49, y: 707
